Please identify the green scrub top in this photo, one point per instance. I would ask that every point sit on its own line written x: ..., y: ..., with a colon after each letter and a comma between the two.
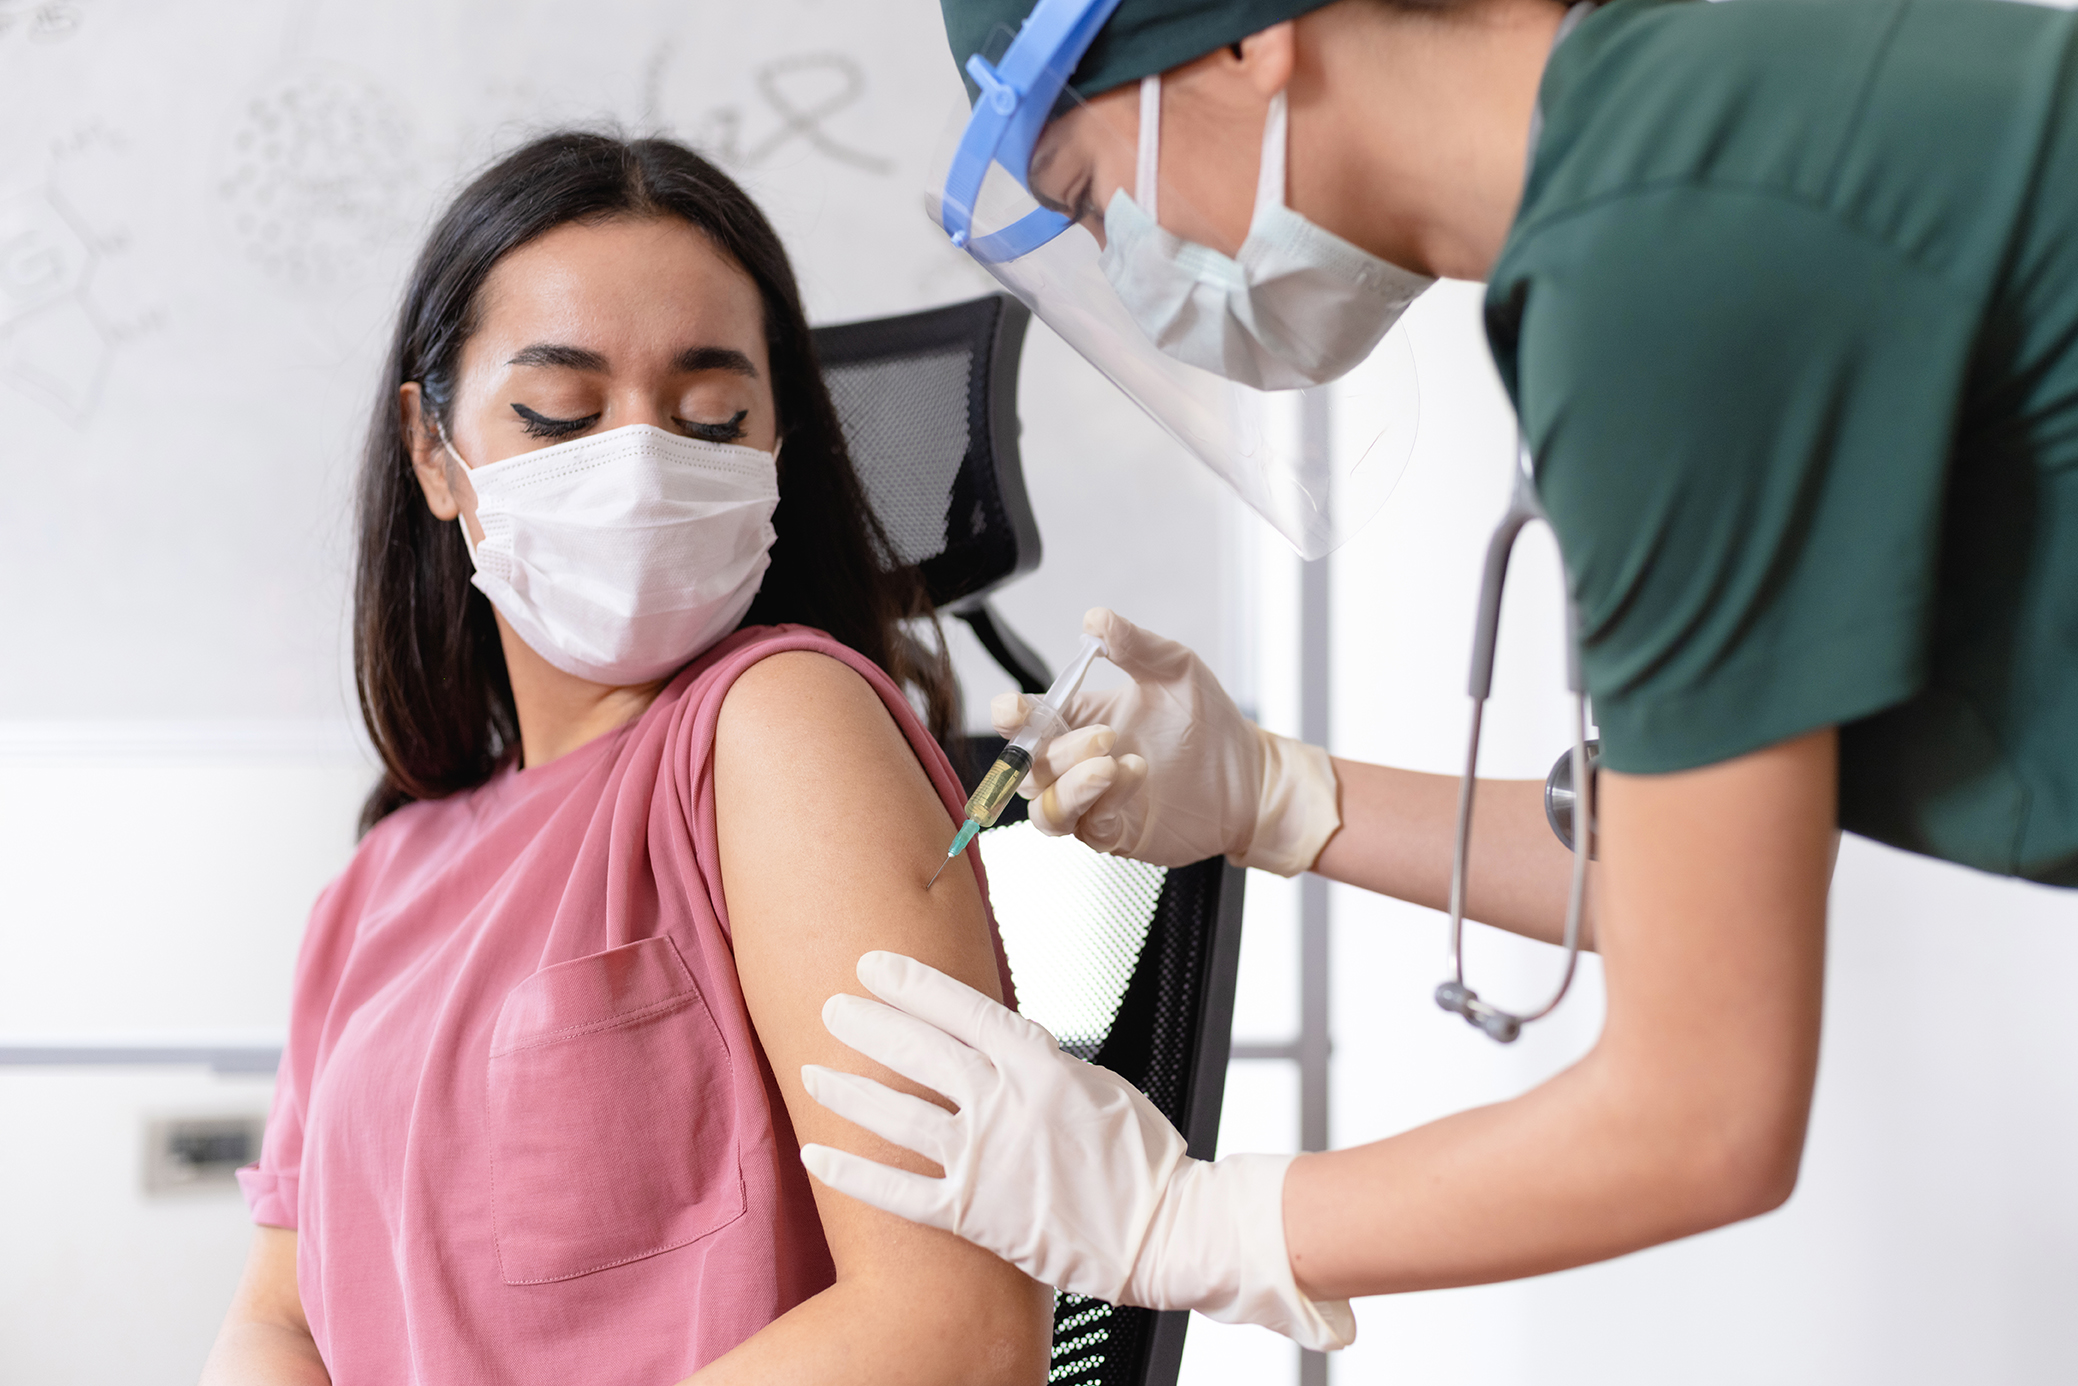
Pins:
x: 1790, y: 316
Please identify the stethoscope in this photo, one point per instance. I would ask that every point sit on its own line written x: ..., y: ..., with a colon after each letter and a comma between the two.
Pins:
x: 1569, y: 790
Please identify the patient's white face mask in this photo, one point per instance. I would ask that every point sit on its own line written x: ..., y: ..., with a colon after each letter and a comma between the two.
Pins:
x: 620, y: 556
x: 1297, y: 306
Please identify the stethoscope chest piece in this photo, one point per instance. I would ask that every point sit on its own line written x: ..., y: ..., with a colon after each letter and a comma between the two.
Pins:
x: 1560, y: 798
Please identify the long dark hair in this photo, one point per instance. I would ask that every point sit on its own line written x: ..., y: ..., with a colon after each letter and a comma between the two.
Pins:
x: 427, y: 663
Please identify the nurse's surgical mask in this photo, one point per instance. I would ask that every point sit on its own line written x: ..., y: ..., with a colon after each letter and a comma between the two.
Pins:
x: 1297, y: 306
x: 620, y: 556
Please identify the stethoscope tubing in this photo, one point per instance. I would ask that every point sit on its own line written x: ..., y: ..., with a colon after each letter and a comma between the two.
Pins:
x: 1455, y: 995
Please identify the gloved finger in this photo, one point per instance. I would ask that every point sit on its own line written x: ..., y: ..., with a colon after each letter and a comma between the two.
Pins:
x: 1057, y: 811
x: 918, y: 1050
x: 909, y: 1122
x: 1107, y: 823
x: 1007, y: 711
x: 913, y: 1196
x: 954, y: 1008
x: 1147, y: 657
x: 1063, y: 754
x: 1068, y: 750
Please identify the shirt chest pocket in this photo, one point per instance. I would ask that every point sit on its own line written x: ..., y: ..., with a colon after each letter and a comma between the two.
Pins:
x: 611, y: 1115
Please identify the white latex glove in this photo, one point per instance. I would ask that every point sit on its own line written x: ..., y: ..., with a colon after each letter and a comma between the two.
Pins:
x: 1167, y: 770
x: 1061, y: 1168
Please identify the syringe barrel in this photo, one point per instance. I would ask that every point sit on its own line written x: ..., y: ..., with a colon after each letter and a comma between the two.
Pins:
x: 992, y: 795
x: 1042, y: 724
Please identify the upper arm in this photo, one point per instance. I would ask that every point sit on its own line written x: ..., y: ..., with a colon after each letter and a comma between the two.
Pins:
x: 265, y: 1337
x: 828, y: 829
x: 1712, y: 928
x: 267, y: 1291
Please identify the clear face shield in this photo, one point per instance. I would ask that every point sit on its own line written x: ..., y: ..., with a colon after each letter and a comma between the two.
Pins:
x: 1070, y: 207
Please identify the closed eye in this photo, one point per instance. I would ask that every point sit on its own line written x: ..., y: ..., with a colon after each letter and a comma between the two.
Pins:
x: 727, y: 432
x: 542, y: 426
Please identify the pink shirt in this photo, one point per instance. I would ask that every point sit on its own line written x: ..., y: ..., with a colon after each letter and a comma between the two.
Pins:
x: 523, y: 1126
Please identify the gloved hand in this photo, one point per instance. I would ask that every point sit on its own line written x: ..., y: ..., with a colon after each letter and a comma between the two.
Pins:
x: 1059, y: 1167
x: 1167, y: 770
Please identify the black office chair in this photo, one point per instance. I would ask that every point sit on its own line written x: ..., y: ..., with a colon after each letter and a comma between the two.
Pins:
x: 929, y: 406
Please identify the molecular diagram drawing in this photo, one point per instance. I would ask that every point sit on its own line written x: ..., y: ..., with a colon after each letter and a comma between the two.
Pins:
x: 56, y: 343
x: 320, y: 181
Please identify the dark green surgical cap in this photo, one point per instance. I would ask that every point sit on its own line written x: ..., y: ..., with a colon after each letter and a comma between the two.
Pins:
x: 1142, y: 38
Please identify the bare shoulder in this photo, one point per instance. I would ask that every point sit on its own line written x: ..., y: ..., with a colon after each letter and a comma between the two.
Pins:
x: 797, y: 694
x: 804, y: 739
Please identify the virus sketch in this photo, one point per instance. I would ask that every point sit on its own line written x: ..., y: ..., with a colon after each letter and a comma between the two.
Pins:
x: 319, y: 180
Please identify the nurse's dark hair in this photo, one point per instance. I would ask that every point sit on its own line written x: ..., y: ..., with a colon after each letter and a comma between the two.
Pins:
x: 427, y: 662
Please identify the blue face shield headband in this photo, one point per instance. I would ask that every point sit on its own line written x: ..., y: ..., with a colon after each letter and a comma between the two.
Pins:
x: 1115, y: 298
x: 1017, y: 97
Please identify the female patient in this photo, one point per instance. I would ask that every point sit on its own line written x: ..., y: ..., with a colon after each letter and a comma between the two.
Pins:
x: 628, y: 647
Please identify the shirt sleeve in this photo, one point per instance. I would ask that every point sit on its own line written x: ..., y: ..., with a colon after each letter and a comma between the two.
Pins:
x: 271, y: 1183
x: 1741, y: 411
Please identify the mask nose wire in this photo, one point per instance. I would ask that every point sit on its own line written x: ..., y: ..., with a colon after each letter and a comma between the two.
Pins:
x: 1146, y: 176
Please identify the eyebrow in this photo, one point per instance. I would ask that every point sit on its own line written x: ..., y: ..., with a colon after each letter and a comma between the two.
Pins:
x: 701, y: 358
x: 710, y: 358
x: 551, y: 354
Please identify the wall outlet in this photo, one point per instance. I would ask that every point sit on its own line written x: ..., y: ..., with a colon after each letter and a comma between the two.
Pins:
x: 198, y: 1152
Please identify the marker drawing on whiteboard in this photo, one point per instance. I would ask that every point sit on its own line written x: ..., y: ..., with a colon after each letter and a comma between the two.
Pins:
x: 56, y: 344
x: 800, y: 91
x: 45, y: 21
x: 321, y: 180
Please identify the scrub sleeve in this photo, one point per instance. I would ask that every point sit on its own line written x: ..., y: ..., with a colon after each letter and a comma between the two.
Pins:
x: 1790, y: 315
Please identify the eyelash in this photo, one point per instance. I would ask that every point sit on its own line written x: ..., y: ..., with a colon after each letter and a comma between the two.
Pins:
x: 716, y: 432
x: 541, y: 426
x: 1077, y: 205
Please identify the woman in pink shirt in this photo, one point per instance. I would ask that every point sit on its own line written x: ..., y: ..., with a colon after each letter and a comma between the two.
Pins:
x: 626, y: 641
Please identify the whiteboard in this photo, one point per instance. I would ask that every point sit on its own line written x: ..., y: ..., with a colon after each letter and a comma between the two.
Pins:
x: 206, y: 213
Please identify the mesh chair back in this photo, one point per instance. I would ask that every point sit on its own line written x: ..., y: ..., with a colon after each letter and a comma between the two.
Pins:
x: 1134, y: 968
x: 929, y: 407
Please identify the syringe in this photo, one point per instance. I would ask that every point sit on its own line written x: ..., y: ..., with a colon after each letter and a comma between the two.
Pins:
x: 1042, y: 723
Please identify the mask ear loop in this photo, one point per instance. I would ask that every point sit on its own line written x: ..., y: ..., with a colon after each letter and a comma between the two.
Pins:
x: 1269, y: 179
x: 468, y: 543
x: 1270, y: 175
x: 1146, y: 176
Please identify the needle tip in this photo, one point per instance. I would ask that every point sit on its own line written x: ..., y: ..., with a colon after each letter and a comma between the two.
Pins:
x: 959, y: 845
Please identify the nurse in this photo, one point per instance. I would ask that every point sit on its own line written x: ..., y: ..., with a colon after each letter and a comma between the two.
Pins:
x: 1786, y: 298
